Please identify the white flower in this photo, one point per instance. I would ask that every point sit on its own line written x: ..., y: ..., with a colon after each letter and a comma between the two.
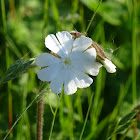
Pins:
x: 110, y: 67
x: 70, y: 69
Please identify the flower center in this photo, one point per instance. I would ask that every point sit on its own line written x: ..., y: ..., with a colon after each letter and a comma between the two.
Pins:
x: 66, y: 62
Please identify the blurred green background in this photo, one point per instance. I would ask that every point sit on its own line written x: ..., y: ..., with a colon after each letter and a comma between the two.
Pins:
x: 24, y: 24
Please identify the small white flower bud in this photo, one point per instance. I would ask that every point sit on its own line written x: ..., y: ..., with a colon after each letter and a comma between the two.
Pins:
x: 110, y: 67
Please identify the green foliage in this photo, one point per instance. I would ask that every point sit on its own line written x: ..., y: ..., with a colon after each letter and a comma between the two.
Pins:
x: 23, y: 28
x: 19, y: 67
x: 127, y: 118
x: 112, y: 11
x: 122, y: 125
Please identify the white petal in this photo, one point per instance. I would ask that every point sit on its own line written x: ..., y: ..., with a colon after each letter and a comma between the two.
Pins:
x: 52, y: 44
x: 76, y: 79
x: 66, y: 41
x: 46, y: 59
x: 94, y: 70
x: 81, y: 43
x: 86, y: 61
x: 110, y: 67
x: 49, y: 73
x: 70, y: 86
x: 89, y: 63
x: 89, y: 56
x: 56, y: 84
x: 82, y: 80
x: 63, y: 37
x: 67, y: 77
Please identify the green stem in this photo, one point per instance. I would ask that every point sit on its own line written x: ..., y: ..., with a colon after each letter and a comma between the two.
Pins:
x: 10, y: 108
x: 45, y: 18
x: 138, y: 136
x: 54, y: 116
x: 50, y: 106
x: 12, y: 8
x: 37, y: 96
x: 86, y: 117
x: 93, y: 16
x: 3, y: 15
x: 40, y: 119
x: 134, y: 52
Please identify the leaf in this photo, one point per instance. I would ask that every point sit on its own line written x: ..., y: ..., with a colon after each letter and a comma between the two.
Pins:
x: 123, y: 127
x: 17, y: 68
x: 127, y: 118
x: 14, y: 66
x: 112, y: 128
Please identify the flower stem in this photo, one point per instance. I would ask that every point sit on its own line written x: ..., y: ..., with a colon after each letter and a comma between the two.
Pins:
x: 40, y: 119
x: 40, y: 112
x: 22, y: 115
x: 54, y: 116
x: 34, y: 100
x: 134, y: 51
x: 138, y: 136
x: 86, y: 117
x: 3, y: 16
x: 93, y: 16
x: 9, y: 94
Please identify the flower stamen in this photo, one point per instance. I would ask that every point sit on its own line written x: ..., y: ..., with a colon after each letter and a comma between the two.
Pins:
x: 67, y: 61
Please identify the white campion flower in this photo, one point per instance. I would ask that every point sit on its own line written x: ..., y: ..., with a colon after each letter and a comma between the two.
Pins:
x: 69, y: 69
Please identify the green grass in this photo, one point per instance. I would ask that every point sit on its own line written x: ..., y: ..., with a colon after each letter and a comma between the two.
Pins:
x: 23, y: 28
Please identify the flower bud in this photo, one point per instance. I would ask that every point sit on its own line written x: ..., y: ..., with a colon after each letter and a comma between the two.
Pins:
x: 100, y: 57
x: 100, y: 53
x: 110, y: 67
x: 76, y: 34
